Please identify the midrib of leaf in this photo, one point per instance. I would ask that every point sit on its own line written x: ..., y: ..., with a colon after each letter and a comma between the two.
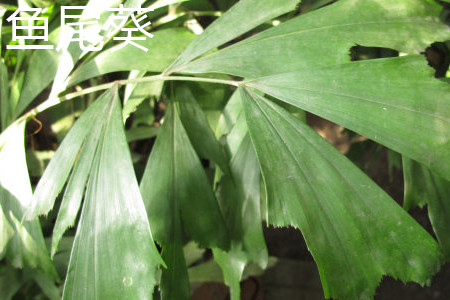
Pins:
x: 176, y: 211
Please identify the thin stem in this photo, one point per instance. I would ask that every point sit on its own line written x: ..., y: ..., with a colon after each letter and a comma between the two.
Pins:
x: 45, y: 105
x: 146, y: 79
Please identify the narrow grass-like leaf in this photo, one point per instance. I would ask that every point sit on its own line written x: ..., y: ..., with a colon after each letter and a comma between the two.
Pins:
x: 324, y: 37
x: 197, y: 127
x: 424, y: 187
x: 113, y: 256
x: 179, y: 199
x: 310, y: 185
x: 164, y: 47
x: 402, y: 107
x: 231, y: 25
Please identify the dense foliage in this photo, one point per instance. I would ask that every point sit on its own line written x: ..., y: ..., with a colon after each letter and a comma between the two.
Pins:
x: 203, y: 138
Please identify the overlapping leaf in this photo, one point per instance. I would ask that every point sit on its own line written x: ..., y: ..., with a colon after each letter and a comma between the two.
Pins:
x: 179, y: 201
x: 394, y: 101
x: 354, y: 230
x: 240, y: 201
x: 424, y: 187
x: 239, y: 195
x: 324, y: 37
x: 198, y: 129
x: 113, y: 256
x: 231, y: 25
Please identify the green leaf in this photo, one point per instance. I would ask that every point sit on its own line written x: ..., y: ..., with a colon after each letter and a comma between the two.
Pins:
x: 113, y: 210
x: 175, y: 184
x: 403, y: 107
x: 424, y: 187
x: 6, y: 111
x: 36, y: 254
x: 179, y: 200
x: 6, y: 232
x: 35, y: 79
x: 354, y: 230
x: 135, y: 94
x: 164, y: 47
x: 197, y: 127
x: 231, y: 25
x: 26, y: 248
x: 10, y: 282
x: 324, y: 37
x: 239, y: 194
x: 175, y: 279
x: 59, y: 168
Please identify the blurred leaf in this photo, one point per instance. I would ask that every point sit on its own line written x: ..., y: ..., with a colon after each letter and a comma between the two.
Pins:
x: 36, y: 255
x: 37, y: 162
x: 6, y: 232
x: 324, y: 37
x: 310, y: 185
x: 179, y: 201
x: 162, y: 3
x: 10, y: 282
x: 6, y: 111
x: 231, y: 25
x: 141, y: 133
x: 35, y: 79
x: 164, y: 47
x: 135, y: 94
x: 47, y: 286
x: 394, y: 110
x: 239, y: 194
x: 229, y: 115
x: 197, y: 127
x: 27, y: 247
x: 424, y: 187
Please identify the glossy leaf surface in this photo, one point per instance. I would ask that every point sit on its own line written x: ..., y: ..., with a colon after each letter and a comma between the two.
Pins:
x: 310, y: 185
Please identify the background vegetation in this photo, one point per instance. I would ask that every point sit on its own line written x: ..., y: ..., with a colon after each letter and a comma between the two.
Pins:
x: 127, y: 174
